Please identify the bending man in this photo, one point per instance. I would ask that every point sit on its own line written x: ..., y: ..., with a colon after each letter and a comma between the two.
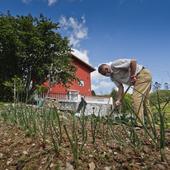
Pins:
x: 127, y: 71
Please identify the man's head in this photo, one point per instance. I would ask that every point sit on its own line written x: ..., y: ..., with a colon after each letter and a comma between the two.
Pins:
x: 105, y: 69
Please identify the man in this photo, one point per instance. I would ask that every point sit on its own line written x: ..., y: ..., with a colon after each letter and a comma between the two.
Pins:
x: 127, y: 71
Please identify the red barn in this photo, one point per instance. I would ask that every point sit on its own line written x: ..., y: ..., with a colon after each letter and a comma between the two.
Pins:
x: 83, y: 87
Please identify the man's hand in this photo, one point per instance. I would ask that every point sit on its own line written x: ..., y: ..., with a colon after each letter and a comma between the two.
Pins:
x: 133, y: 79
x: 118, y: 103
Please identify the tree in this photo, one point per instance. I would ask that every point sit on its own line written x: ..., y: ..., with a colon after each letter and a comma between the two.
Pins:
x: 156, y: 86
x: 31, y: 49
x: 166, y: 86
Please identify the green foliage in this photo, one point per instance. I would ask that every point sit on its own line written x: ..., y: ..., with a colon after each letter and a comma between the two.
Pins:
x: 31, y: 49
x: 127, y: 101
x: 15, y: 86
x: 164, y: 96
x: 40, y: 89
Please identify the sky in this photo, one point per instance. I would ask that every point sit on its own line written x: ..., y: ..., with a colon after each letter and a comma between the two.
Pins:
x: 101, y: 31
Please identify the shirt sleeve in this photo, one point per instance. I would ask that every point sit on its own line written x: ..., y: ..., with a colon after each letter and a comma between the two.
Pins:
x: 121, y: 63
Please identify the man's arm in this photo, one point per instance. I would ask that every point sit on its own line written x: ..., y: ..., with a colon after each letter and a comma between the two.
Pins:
x: 133, y: 67
x: 119, y: 94
x: 133, y: 71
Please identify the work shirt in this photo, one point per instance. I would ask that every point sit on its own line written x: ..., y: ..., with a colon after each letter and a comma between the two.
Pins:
x: 121, y: 71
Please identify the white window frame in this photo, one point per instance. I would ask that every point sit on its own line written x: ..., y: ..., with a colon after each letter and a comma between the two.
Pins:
x: 81, y: 83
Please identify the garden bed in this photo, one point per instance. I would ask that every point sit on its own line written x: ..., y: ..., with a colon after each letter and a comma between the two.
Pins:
x: 20, y: 151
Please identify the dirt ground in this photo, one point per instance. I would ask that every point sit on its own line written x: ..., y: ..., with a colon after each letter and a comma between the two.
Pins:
x: 18, y: 151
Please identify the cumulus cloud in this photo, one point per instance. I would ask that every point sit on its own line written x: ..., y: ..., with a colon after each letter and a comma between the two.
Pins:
x: 82, y: 54
x: 75, y: 30
x: 103, y: 87
x: 51, y: 2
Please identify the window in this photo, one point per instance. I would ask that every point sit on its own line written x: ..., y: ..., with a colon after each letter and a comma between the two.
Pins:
x: 81, y: 83
x: 73, y: 95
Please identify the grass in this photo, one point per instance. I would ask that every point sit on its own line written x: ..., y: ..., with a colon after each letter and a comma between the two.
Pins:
x: 167, y: 113
x: 167, y: 109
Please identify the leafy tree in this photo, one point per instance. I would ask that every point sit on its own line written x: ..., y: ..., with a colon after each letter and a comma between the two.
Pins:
x: 15, y: 86
x: 157, y: 86
x: 31, y: 49
x: 166, y: 86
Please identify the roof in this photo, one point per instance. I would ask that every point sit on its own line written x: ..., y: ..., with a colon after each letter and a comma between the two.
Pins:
x: 91, y: 68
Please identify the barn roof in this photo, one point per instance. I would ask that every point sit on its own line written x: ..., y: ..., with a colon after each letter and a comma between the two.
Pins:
x: 91, y: 68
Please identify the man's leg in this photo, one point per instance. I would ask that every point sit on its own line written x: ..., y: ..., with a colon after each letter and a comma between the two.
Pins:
x: 147, y: 110
x: 140, y: 93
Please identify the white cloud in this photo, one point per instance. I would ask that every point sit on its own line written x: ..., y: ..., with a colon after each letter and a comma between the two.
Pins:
x: 82, y: 54
x: 75, y: 30
x: 103, y: 87
x: 26, y: 1
x: 52, y: 2
x: 101, y: 84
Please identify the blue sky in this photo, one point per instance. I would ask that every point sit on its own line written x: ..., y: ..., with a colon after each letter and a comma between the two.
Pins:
x: 103, y: 30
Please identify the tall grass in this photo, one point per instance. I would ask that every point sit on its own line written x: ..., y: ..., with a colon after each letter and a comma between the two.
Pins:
x: 76, y: 142
x: 155, y: 130
x: 161, y: 117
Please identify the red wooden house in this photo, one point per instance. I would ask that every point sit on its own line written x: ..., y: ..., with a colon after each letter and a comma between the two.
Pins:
x: 70, y: 98
x: 77, y: 88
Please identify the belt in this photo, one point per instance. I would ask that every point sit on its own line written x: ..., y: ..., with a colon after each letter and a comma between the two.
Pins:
x: 140, y: 71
